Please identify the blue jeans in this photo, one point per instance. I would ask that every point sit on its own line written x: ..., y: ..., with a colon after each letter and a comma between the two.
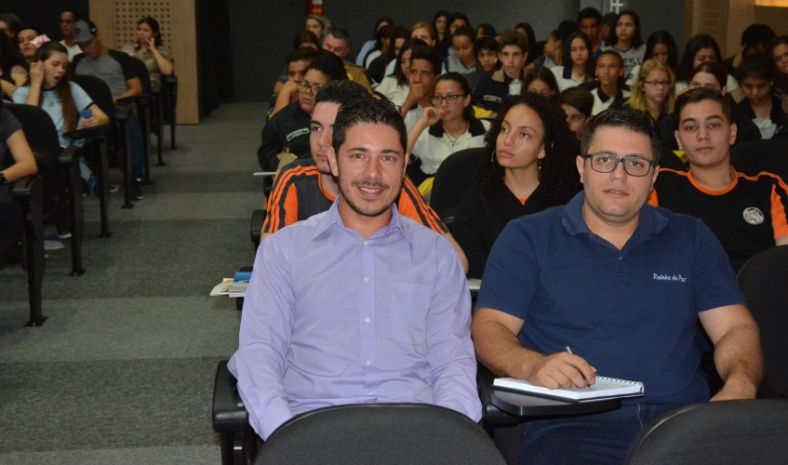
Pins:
x: 137, y: 142
x: 598, y: 439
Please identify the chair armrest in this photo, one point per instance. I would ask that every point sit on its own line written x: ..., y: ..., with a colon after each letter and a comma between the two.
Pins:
x: 228, y: 412
x: 24, y: 188
x: 94, y: 132
x: 256, y: 226
x: 68, y: 156
x: 492, y: 416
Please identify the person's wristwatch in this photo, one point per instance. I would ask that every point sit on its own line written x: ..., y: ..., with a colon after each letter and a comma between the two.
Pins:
x: 2, y: 178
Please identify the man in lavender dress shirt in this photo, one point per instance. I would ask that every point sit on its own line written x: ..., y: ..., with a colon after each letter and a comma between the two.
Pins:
x: 357, y: 304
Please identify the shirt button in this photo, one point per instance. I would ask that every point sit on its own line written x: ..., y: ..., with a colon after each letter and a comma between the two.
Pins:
x: 367, y: 320
x: 366, y: 279
x: 368, y: 363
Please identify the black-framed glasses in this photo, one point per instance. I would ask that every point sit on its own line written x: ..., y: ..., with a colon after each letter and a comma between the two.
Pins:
x: 311, y: 88
x: 634, y: 165
x: 451, y: 98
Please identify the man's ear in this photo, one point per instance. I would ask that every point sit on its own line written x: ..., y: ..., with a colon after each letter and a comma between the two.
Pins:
x: 678, y: 140
x: 332, y: 161
x: 580, y: 162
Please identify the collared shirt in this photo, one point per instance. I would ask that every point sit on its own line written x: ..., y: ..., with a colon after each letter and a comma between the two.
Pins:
x: 435, y: 145
x: 602, y: 101
x: 331, y: 318
x: 631, y: 313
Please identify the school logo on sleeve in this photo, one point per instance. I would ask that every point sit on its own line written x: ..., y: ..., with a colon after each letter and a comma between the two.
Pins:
x: 753, y: 215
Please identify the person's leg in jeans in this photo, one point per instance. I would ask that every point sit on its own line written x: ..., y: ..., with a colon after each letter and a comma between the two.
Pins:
x: 137, y: 148
x: 597, y: 439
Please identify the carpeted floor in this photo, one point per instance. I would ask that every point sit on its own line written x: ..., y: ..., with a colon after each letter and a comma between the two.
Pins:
x: 122, y: 371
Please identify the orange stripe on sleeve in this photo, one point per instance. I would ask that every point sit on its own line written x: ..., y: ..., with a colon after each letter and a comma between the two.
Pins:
x: 653, y: 198
x: 779, y: 219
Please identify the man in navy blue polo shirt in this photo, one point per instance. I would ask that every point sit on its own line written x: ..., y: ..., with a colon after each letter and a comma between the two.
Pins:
x: 623, y: 285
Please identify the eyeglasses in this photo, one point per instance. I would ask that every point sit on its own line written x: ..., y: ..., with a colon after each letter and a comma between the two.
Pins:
x: 311, y: 88
x: 634, y: 165
x: 657, y: 83
x: 439, y: 99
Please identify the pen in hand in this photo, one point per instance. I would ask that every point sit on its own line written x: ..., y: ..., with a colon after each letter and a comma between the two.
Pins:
x: 569, y: 350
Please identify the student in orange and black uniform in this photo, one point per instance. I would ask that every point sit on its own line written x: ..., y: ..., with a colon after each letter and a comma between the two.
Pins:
x: 306, y: 187
x: 746, y: 213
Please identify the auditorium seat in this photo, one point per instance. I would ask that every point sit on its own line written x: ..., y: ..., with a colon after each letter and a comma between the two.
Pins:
x: 737, y: 432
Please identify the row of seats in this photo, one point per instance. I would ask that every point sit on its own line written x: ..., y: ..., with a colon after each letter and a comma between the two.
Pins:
x: 61, y: 166
x: 762, y: 280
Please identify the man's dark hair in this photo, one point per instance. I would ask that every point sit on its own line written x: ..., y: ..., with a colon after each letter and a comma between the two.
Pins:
x: 486, y: 43
x: 611, y: 53
x: 302, y: 53
x: 578, y: 97
x: 488, y: 30
x: 343, y: 92
x: 610, y: 19
x: 372, y: 111
x: 625, y: 118
x: 757, y: 35
x: 340, y: 33
x: 465, y: 31
x: 757, y: 66
x: 510, y: 37
x: 430, y: 54
x: 589, y: 13
x: 306, y: 37
x: 701, y: 94
x: 329, y: 64
x: 458, y: 15
x: 68, y: 10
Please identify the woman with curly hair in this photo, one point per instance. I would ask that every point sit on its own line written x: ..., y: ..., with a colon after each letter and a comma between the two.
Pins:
x: 530, y: 167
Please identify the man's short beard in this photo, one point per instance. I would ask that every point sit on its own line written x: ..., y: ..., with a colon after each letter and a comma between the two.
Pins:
x: 358, y: 210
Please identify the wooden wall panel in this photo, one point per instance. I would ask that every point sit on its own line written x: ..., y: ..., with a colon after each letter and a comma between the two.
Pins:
x: 117, y: 22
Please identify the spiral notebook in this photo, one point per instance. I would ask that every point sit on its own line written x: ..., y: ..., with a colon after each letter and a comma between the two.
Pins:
x: 604, y: 388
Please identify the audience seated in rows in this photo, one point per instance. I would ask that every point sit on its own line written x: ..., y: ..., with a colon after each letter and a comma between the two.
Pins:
x: 116, y: 69
x: 494, y: 88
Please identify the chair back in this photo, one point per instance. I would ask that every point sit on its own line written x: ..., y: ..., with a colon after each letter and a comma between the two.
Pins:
x: 40, y: 133
x: 455, y: 176
x: 720, y: 433
x: 98, y: 91
x: 383, y: 434
x: 762, y: 155
x: 764, y: 282
x: 139, y: 69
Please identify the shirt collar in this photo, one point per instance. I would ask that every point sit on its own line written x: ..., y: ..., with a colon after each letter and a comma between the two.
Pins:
x: 475, y: 128
x: 650, y: 221
x: 331, y: 222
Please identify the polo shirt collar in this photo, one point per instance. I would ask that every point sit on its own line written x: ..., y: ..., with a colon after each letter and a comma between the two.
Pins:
x: 650, y: 220
x: 475, y: 128
x: 331, y: 222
